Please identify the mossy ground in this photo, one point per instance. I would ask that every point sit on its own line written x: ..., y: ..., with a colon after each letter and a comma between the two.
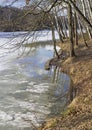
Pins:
x: 78, y: 115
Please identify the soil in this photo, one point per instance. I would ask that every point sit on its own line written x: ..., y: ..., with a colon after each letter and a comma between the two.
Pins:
x: 78, y: 115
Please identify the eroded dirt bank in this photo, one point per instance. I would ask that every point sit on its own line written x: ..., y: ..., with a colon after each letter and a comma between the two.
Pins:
x: 78, y: 115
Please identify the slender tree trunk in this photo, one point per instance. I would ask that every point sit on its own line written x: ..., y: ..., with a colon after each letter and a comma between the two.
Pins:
x: 61, y: 26
x: 54, y: 42
x: 81, y: 14
x: 72, y: 52
x: 58, y: 28
x: 89, y: 10
x: 89, y: 4
x: 83, y: 37
x: 75, y: 28
x: 85, y: 14
x: 60, y: 23
x: 53, y: 36
x: 65, y: 28
x: 64, y: 23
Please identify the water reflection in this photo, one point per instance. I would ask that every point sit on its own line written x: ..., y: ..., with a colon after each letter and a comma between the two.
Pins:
x: 27, y: 93
x: 61, y: 95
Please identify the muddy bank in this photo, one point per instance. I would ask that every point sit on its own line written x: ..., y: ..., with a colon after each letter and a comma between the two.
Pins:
x: 78, y: 115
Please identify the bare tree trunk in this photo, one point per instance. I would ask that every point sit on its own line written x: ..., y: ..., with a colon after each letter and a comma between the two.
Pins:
x: 54, y: 42
x: 85, y: 14
x: 58, y: 27
x: 61, y: 27
x: 72, y: 52
x: 75, y: 28
x: 61, y: 24
x: 82, y: 34
x: 81, y: 14
x: 63, y: 21
x: 89, y: 3
x: 89, y: 10
x: 64, y: 24
x: 65, y: 28
x: 53, y: 36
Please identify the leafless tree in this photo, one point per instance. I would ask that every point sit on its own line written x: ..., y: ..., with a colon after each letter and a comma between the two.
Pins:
x: 42, y: 10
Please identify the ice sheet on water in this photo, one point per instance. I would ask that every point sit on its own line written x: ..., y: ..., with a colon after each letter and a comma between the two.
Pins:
x: 36, y: 88
x: 25, y: 119
x: 50, y: 48
x: 4, y: 116
x: 38, y: 36
x: 11, y: 34
x: 24, y: 95
x: 17, y: 119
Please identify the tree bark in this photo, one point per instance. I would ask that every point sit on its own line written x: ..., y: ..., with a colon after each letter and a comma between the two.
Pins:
x: 75, y: 27
x: 81, y: 14
x: 58, y: 27
x: 89, y: 3
x: 82, y: 33
x: 72, y: 52
x: 54, y: 42
x: 85, y: 14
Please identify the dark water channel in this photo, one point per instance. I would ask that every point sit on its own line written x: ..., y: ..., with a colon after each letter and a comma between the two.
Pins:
x: 28, y: 94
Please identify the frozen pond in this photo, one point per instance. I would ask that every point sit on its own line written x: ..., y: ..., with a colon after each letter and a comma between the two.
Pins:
x: 27, y: 94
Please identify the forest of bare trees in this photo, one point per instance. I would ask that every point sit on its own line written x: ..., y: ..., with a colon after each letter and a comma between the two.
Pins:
x: 66, y: 15
x: 69, y: 17
x: 14, y: 19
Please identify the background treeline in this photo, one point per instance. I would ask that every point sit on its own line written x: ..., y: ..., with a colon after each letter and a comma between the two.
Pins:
x: 15, y: 19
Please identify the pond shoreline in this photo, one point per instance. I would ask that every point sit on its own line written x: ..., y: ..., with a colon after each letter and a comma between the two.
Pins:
x: 78, y: 115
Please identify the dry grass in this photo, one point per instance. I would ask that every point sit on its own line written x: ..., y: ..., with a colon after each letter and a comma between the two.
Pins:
x: 79, y: 113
